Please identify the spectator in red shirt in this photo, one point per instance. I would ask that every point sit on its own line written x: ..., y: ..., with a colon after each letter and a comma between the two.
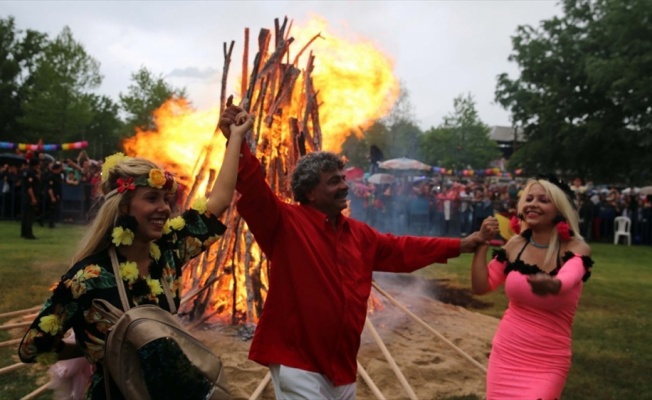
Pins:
x: 321, y: 272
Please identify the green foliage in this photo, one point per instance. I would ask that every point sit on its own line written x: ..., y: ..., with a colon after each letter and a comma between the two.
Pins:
x: 356, y: 151
x: 461, y: 141
x: 584, y: 91
x: 18, y: 53
x: 58, y: 106
x: 145, y: 94
x: 103, y: 131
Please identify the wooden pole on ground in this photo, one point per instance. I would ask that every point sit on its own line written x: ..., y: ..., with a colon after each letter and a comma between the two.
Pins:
x: 431, y: 329
x: 36, y: 392
x: 17, y: 325
x: 195, y: 292
x: 370, y: 383
x: 20, y: 312
x: 12, y: 368
x: 11, y: 342
x: 261, y: 386
x: 390, y: 360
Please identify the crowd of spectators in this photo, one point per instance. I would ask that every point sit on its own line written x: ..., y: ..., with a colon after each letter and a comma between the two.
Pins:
x: 438, y: 206
x: 81, y: 173
x: 446, y: 207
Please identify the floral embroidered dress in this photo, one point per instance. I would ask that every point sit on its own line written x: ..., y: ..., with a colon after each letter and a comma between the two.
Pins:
x: 531, y: 351
x: 70, y: 305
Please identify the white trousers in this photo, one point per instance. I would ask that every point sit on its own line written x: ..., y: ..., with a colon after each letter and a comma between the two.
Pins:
x: 292, y: 383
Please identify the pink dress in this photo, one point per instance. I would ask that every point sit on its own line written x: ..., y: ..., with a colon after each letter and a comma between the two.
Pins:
x: 531, y: 352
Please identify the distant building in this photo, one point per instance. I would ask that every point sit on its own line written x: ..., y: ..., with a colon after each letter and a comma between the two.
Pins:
x: 507, y: 138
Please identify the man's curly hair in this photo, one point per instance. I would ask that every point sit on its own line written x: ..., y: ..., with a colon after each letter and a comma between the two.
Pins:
x: 307, y: 173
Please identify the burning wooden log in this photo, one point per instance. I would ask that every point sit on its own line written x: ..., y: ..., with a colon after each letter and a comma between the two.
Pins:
x: 287, y: 115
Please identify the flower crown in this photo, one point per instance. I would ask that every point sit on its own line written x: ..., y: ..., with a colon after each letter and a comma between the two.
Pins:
x: 156, y: 178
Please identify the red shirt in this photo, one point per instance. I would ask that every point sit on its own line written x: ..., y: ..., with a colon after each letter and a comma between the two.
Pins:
x: 320, y: 277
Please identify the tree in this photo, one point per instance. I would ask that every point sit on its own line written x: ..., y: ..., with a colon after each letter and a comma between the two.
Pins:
x: 57, y: 106
x: 146, y: 93
x: 18, y: 52
x: 103, y: 131
x: 356, y: 149
x: 461, y: 141
x: 584, y: 92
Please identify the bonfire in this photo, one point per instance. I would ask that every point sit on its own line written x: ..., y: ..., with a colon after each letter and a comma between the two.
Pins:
x: 308, y: 90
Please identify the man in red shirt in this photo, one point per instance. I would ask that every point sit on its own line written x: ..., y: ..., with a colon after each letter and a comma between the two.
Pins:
x: 321, y: 272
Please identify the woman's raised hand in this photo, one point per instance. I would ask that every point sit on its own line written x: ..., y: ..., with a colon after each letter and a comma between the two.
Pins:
x: 241, y: 124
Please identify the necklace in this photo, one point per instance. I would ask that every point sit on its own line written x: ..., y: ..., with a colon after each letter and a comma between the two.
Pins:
x: 537, y: 245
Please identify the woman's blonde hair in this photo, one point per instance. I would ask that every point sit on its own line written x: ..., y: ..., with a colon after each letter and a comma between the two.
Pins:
x: 564, y: 207
x: 111, y: 207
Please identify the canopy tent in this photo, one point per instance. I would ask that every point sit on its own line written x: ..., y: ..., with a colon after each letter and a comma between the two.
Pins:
x: 404, y: 164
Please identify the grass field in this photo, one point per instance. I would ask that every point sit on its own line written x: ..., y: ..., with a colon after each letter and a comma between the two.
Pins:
x: 612, y: 350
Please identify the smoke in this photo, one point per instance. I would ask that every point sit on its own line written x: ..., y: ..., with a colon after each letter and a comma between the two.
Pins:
x: 404, y: 288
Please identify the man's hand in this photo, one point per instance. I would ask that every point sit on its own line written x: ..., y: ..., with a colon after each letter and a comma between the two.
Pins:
x: 483, y: 236
x: 228, y: 118
x: 469, y: 243
x: 489, y: 228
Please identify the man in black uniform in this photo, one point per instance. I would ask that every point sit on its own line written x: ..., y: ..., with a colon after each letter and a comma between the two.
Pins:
x: 52, y: 193
x: 30, y: 198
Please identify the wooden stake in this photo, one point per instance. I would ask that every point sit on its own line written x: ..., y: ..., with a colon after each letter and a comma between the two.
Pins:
x: 37, y: 392
x: 390, y: 360
x: 195, y: 292
x: 370, y: 383
x: 11, y: 342
x: 12, y: 368
x: 20, y: 312
x: 261, y: 386
x: 12, y: 326
x: 431, y: 329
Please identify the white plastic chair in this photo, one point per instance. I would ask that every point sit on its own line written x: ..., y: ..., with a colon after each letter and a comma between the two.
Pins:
x: 622, y: 227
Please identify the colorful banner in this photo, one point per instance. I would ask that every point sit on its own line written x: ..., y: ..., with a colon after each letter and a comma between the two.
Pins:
x: 44, y: 147
x: 476, y: 172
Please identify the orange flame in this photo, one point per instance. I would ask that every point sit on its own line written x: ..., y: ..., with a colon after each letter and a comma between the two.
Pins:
x: 355, y: 81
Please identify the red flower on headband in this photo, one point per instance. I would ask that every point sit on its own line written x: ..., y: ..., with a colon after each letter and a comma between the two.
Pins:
x: 515, y: 224
x: 170, y: 183
x: 125, y: 184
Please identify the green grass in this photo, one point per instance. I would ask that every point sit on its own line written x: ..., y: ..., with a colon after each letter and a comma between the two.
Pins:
x: 27, y: 270
x: 612, y: 350
x: 612, y: 353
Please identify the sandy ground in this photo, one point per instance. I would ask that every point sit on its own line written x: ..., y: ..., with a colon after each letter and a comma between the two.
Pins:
x: 432, y: 368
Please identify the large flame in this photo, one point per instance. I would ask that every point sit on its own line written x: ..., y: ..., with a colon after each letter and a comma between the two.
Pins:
x: 355, y: 86
x: 355, y: 81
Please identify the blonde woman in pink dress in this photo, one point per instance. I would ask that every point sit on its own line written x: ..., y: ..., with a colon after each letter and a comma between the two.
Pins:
x: 543, y: 270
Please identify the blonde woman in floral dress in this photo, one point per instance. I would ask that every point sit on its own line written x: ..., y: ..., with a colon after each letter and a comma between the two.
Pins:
x: 134, y: 219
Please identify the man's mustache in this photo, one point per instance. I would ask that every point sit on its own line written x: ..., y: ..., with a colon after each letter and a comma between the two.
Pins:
x: 341, y: 194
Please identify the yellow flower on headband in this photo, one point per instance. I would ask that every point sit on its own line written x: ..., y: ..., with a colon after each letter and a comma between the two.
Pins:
x: 156, y: 178
x: 110, y: 162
